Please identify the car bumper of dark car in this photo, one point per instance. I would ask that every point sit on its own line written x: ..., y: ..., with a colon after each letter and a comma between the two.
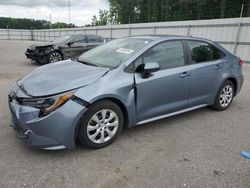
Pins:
x: 54, y: 131
x: 38, y: 57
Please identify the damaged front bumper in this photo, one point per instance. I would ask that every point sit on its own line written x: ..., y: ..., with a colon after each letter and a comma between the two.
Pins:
x: 54, y: 131
x: 40, y: 57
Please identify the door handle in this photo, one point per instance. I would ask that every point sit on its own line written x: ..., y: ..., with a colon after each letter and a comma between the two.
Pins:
x: 185, y: 74
x: 217, y: 67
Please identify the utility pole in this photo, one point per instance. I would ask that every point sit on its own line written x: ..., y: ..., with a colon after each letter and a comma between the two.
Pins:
x: 69, y: 13
x: 50, y: 20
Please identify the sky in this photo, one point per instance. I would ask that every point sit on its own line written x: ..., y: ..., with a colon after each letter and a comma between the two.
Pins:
x: 82, y: 11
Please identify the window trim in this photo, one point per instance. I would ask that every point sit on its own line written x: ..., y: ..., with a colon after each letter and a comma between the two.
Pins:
x: 83, y: 36
x: 189, y: 51
x: 185, y: 55
x: 97, y: 37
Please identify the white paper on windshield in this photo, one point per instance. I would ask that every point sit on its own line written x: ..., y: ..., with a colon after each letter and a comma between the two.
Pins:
x: 124, y: 51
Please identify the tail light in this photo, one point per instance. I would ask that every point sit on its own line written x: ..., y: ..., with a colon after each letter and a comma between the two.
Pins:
x: 241, y: 62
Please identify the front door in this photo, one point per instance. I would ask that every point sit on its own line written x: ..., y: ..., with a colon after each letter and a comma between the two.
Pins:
x: 166, y: 90
x: 77, y: 47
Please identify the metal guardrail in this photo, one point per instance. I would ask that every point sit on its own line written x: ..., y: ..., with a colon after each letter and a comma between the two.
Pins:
x: 233, y: 33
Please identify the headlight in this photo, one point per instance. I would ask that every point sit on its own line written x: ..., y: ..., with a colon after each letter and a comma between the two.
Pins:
x: 48, y: 104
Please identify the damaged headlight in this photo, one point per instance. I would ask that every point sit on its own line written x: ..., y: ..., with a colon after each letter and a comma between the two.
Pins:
x: 48, y: 104
x: 46, y: 49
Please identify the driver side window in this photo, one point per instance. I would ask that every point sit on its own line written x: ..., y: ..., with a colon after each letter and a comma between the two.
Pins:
x: 168, y: 54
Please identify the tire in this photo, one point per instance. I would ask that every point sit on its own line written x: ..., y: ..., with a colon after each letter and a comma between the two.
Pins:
x: 224, y: 96
x: 97, y: 132
x: 54, y: 56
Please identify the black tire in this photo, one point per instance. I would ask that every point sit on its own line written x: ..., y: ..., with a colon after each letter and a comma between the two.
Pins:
x: 54, y: 56
x: 217, y: 104
x: 85, y: 121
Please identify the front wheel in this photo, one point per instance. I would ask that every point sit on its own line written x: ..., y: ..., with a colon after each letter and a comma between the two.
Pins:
x: 101, y: 124
x: 54, y: 56
x: 224, y: 96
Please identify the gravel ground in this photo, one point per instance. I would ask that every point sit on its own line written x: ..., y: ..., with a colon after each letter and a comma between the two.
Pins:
x: 196, y: 149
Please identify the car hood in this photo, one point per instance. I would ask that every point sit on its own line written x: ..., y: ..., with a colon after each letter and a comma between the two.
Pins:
x: 59, y: 77
x: 45, y: 44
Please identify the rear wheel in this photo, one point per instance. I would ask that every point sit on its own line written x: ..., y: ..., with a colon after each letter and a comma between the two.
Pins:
x: 54, y: 56
x: 224, y: 96
x: 101, y: 124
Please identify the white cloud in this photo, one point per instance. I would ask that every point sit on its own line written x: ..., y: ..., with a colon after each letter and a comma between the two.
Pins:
x: 81, y: 11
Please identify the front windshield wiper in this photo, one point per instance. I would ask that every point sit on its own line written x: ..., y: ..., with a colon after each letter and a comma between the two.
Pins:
x: 86, y: 62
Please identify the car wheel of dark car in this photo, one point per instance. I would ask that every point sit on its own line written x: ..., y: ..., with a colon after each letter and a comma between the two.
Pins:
x: 54, y: 56
x: 101, y: 125
x: 224, y: 96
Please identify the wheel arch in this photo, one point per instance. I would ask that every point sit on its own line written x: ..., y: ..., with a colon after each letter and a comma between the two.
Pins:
x: 59, y: 51
x: 118, y: 102
x: 235, y: 83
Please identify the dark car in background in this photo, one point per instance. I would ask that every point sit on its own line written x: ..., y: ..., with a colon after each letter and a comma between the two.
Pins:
x: 63, y: 48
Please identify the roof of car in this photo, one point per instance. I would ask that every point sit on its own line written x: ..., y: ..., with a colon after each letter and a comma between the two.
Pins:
x: 158, y: 37
x: 82, y: 34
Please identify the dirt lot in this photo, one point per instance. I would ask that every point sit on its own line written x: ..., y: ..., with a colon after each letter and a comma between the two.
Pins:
x: 195, y: 149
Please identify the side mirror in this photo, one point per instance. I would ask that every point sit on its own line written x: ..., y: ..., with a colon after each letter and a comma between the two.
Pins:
x: 70, y: 43
x: 149, y: 68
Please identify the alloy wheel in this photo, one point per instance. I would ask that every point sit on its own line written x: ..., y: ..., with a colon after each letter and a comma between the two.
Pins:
x: 226, y: 96
x: 102, y: 126
x: 54, y: 57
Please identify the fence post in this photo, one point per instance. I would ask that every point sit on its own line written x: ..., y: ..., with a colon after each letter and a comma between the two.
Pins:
x: 155, y: 27
x: 111, y: 32
x: 188, y: 30
x: 237, y: 38
x: 129, y: 31
x: 21, y: 35
x: 8, y: 34
x: 32, y: 35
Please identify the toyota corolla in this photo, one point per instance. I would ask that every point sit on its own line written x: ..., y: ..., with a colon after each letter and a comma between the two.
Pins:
x: 123, y: 83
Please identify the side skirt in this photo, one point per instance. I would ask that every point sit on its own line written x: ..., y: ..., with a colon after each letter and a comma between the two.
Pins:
x: 171, y: 114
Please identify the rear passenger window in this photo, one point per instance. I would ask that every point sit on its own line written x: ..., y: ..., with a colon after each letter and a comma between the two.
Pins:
x: 93, y: 39
x: 203, y: 52
x: 217, y: 54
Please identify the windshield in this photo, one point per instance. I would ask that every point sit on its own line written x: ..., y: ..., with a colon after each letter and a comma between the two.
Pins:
x: 114, y: 52
x: 61, y: 39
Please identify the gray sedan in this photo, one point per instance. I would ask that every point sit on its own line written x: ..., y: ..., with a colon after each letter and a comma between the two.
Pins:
x: 123, y: 83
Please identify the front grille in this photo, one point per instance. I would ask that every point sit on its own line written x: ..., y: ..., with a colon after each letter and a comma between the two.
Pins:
x: 30, y: 50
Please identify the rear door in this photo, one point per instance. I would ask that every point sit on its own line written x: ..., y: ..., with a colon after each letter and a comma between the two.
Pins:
x: 205, y: 72
x: 166, y: 90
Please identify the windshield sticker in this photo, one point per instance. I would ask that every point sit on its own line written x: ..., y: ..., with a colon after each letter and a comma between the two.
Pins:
x: 124, y: 51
